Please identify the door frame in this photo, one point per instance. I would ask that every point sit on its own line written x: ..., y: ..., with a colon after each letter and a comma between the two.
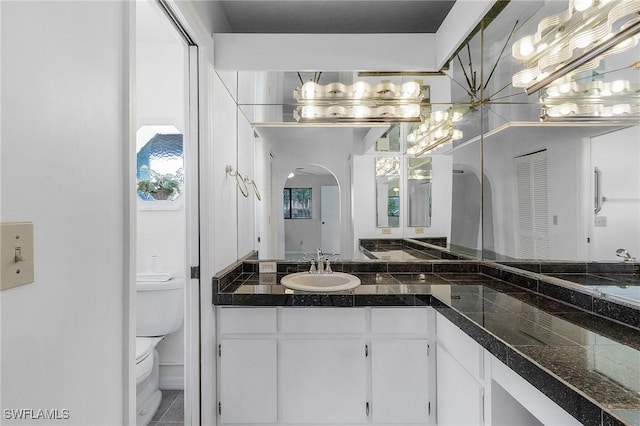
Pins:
x: 199, y: 45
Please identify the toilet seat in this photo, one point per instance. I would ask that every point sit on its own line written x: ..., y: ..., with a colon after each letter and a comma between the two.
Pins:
x: 144, y: 356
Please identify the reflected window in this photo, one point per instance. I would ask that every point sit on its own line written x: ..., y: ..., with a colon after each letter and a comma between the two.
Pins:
x: 297, y: 203
x: 160, y: 163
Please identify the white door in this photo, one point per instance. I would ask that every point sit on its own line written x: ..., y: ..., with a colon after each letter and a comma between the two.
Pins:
x: 400, y: 390
x: 248, y: 369
x: 532, y: 205
x: 330, y: 219
x: 323, y: 381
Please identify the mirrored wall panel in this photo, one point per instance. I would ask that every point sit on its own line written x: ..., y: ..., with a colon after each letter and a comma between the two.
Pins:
x: 419, y: 191
x: 387, y: 192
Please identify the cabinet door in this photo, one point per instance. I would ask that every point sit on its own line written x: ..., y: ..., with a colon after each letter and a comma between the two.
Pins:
x: 399, y: 381
x: 459, y: 393
x: 248, y: 387
x: 323, y: 381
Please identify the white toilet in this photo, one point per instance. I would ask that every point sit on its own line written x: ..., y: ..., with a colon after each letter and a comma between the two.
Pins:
x: 160, y: 311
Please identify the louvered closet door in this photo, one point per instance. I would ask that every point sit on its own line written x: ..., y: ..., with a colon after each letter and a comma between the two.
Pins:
x: 532, y: 205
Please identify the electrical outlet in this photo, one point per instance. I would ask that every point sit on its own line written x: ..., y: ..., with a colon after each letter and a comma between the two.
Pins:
x: 268, y: 279
x: 600, y: 221
x: 268, y: 267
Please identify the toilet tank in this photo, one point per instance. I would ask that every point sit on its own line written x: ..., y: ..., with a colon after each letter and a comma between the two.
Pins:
x: 160, y: 307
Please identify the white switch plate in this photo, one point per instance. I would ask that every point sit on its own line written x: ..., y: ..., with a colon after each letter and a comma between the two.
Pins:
x: 268, y: 267
x: 601, y: 221
x: 16, y: 253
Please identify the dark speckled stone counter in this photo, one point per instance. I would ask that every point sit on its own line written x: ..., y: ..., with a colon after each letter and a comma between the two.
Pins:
x: 587, y: 364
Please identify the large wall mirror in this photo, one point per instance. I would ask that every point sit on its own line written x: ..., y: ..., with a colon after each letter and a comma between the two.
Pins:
x: 419, y: 191
x: 516, y: 179
x: 387, y: 192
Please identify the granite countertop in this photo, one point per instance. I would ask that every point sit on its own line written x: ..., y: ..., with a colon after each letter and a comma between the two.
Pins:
x: 588, y: 364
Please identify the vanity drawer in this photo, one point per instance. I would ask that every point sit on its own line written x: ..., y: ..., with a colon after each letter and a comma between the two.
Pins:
x: 323, y: 320
x: 248, y: 320
x: 399, y: 320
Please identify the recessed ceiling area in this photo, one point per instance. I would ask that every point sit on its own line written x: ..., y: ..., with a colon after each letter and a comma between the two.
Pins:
x: 335, y: 16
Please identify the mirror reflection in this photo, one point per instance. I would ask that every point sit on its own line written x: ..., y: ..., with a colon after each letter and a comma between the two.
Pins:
x: 514, y: 177
x: 311, y: 206
x: 419, y: 191
x: 387, y: 192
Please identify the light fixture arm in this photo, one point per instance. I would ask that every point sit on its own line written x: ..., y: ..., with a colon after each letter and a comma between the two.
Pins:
x: 500, y: 56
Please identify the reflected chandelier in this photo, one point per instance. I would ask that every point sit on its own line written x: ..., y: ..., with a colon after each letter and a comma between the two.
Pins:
x: 575, y: 41
x: 358, y: 102
x: 435, y: 132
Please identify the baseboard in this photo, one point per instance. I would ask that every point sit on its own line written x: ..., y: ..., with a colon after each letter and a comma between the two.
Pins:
x: 172, y: 383
x: 172, y: 377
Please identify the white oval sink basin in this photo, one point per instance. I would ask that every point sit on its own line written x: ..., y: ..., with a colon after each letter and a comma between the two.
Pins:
x: 320, y: 282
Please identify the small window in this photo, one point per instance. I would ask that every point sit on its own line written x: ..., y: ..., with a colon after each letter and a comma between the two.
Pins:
x: 297, y: 203
x: 160, y: 163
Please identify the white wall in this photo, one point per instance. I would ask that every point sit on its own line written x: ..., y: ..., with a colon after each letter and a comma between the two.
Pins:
x: 161, y: 100
x: 307, y: 231
x: 336, y: 52
x: 64, y: 142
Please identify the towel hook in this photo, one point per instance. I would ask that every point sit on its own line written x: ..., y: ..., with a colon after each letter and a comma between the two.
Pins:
x: 252, y: 182
x: 240, y: 180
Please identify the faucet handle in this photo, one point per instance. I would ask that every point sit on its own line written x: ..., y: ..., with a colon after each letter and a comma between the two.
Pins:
x: 327, y: 269
x: 312, y: 269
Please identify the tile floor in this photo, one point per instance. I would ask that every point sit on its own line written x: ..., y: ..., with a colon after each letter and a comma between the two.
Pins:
x: 171, y: 410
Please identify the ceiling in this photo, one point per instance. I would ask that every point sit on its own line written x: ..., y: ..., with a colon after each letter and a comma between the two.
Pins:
x: 335, y: 16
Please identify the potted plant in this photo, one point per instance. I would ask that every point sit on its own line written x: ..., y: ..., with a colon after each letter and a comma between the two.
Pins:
x: 160, y: 186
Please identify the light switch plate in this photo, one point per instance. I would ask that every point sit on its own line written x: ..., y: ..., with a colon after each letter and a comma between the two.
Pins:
x: 16, y: 254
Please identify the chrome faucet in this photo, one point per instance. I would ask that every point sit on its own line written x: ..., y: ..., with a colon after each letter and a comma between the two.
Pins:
x: 320, y: 261
x: 625, y: 254
x: 320, y: 264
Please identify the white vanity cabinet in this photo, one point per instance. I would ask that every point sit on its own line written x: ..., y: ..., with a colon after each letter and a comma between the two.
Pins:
x: 247, y: 366
x: 400, y: 366
x: 459, y: 382
x: 475, y: 388
x: 372, y: 365
x: 330, y: 366
x: 322, y: 366
x: 323, y: 381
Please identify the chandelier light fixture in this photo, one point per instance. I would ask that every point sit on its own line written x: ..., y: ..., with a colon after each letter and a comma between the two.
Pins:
x: 617, y: 100
x: 358, y: 102
x: 387, y: 166
x: 575, y: 41
x: 435, y: 132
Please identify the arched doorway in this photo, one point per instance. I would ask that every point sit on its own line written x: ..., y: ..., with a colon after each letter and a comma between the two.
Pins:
x: 311, y: 204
